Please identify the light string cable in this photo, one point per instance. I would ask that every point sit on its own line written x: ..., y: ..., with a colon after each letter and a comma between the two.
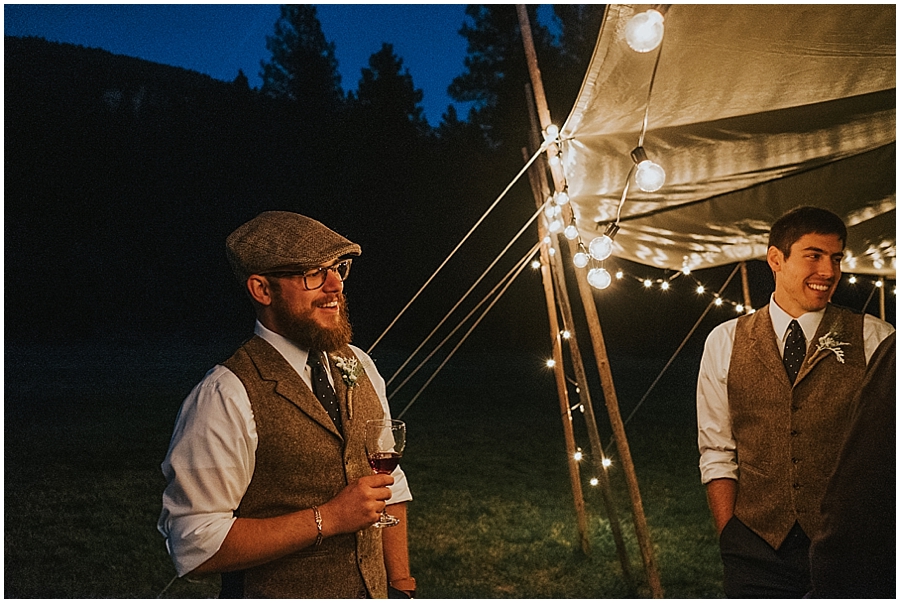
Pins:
x: 678, y: 351
x: 524, y: 169
x: 487, y: 296
x: 472, y: 288
x: 643, y: 133
x: 522, y: 263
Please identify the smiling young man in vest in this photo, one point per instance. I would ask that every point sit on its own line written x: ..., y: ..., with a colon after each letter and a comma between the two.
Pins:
x: 771, y: 420
x: 268, y: 484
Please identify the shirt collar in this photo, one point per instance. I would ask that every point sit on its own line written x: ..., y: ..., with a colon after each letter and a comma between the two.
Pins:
x: 294, y: 354
x: 809, y: 321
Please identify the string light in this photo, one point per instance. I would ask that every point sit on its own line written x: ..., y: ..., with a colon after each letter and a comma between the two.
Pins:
x: 580, y: 259
x: 645, y: 30
x: 599, y: 278
x: 594, y: 481
x: 853, y: 279
x: 566, y: 334
x: 551, y: 132
x: 607, y: 462
x: 571, y: 232
x: 551, y: 363
x: 664, y: 286
x: 561, y: 198
x: 578, y: 455
x: 648, y: 283
x: 649, y: 176
x: 701, y: 289
x: 536, y: 264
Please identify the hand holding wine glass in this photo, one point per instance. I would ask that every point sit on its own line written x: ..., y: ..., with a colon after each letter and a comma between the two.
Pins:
x: 385, y: 441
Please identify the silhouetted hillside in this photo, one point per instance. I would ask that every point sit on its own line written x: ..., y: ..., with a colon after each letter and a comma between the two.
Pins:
x: 123, y: 178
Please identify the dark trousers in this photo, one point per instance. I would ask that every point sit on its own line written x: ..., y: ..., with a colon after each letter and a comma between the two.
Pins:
x: 755, y: 570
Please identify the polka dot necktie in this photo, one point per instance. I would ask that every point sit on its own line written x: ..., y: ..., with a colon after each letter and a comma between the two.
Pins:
x: 794, y: 350
x: 322, y: 388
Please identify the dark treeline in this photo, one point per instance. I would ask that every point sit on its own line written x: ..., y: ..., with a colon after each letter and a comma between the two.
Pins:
x: 123, y: 177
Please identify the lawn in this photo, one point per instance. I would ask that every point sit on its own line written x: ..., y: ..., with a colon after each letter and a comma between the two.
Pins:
x: 86, y: 426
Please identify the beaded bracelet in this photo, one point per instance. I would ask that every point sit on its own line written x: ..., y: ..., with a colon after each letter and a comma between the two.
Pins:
x: 318, y: 525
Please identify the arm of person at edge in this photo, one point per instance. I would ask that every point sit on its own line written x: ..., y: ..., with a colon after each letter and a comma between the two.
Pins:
x: 718, y: 466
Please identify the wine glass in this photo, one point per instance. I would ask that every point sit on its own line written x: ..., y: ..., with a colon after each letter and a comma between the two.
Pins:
x: 385, y: 440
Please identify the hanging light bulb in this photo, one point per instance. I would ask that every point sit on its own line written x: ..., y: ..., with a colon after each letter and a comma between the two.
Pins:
x: 601, y: 247
x: 555, y: 225
x: 561, y: 198
x: 599, y: 278
x: 644, y: 31
x: 551, y: 132
x: 571, y: 232
x: 580, y: 259
x: 649, y: 176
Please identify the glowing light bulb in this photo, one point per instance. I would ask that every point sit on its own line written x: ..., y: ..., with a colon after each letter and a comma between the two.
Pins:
x: 620, y: 274
x: 546, y: 240
x: 852, y: 279
x: 554, y: 161
x: 649, y: 176
x: 566, y: 334
x: 594, y: 481
x: 601, y: 247
x: 644, y: 31
x: 664, y: 286
x: 718, y: 301
x: 685, y: 270
x: 555, y: 225
x: 535, y: 264
x: 562, y: 198
x: 607, y: 462
x: 571, y: 232
x: 552, y: 251
x: 879, y: 284
x: 552, y: 132
x: 580, y: 259
x: 648, y: 283
x: 551, y: 363
x: 739, y: 308
x: 701, y: 289
x: 599, y: 278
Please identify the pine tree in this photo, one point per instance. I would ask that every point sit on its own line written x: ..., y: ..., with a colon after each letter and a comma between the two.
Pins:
x: 303, y: 67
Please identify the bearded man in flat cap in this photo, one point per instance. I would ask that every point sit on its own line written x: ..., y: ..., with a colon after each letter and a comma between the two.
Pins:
x: 268, y: 482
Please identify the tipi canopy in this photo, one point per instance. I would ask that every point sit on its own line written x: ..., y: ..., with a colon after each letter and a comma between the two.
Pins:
x: 753, y: 110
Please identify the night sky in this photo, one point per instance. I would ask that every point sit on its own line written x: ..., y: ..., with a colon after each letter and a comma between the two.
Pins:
x: 218, y: 39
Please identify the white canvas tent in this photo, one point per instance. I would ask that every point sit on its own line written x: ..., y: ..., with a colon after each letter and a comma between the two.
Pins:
x: 754, y: 109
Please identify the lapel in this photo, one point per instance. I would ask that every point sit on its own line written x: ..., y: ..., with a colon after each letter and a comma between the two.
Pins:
x: 764, y: 346
x: 273, y: 367
x: 831, y: 322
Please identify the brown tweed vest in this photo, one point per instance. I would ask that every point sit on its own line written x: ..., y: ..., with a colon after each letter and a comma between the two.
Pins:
x: 788, y: 437
x: 301, y: 461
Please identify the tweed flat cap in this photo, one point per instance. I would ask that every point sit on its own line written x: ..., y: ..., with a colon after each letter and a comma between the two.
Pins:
x: 283, y: 240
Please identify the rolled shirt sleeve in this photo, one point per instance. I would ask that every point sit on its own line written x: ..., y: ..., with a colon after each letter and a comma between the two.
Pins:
x: 208, y: 468
x: 714, y: 436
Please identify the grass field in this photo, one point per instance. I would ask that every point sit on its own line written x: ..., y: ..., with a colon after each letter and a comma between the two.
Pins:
x: 87, y: 425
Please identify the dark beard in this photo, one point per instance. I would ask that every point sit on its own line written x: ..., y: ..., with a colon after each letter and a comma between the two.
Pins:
x: 307, y: 333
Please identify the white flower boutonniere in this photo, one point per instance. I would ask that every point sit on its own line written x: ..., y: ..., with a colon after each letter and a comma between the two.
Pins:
x: 350, y: 371
x: 830, y: 343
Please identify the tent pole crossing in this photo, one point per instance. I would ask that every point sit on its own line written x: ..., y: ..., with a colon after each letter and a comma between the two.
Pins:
x: 609, y: 391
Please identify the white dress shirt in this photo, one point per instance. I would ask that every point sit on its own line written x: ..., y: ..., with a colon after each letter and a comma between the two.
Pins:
x: 714, y: 436
x: 212, y: 455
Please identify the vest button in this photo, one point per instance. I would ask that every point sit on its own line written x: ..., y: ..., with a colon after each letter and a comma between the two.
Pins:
x: 796, y: 486
x: 795, y: 461
x: 793, y: 432
x: 794, y: 408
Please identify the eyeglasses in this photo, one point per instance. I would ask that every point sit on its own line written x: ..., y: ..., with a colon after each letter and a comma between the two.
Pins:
x: 315, y: 278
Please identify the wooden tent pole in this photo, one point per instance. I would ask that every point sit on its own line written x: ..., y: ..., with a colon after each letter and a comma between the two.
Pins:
x: 609, y: 391
x: 563, y: 394
x: 881, y: 300
x: 541, y: 189
x: 745, y: 281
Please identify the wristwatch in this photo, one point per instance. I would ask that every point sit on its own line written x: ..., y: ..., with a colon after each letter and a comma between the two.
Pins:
x: 405, y: 585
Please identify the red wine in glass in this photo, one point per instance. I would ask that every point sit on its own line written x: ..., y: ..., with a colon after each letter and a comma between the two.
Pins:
x: 384, y: 462
x: 385, y: 441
